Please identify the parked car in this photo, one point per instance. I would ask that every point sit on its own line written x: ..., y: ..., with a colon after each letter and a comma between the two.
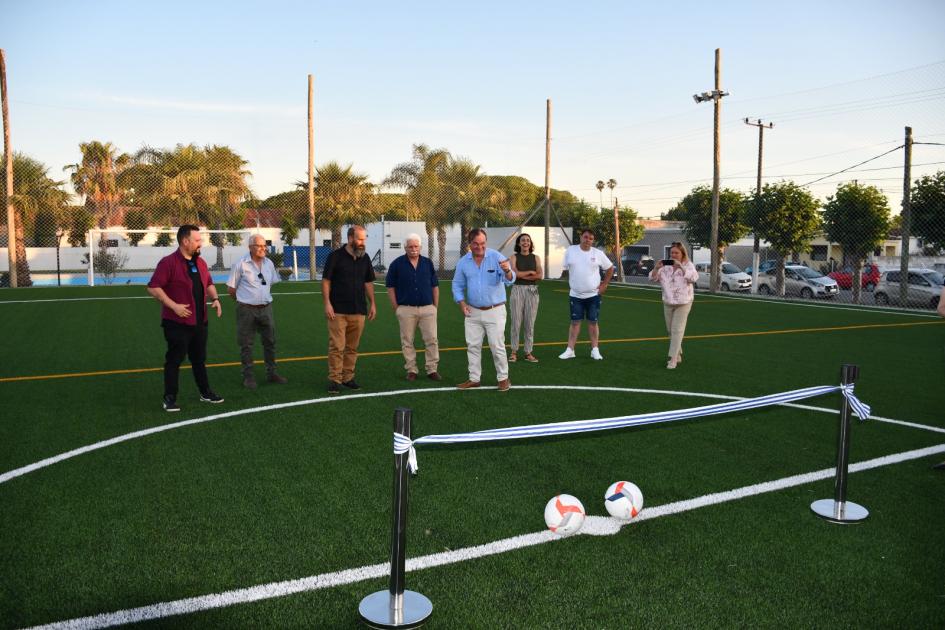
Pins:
x: 731, y: 278
x: 636, y: 264
x: 799, y: 280
x: 844, y: 277
x: 764, y: 267
x: 925, y: 288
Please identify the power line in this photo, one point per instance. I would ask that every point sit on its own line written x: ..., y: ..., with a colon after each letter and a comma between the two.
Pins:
x: 854, y: 166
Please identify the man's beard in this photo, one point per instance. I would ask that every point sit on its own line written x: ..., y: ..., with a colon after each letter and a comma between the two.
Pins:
x: 358, y: 251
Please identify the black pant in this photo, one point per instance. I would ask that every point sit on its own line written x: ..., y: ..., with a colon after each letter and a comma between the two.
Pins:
x: 189, y: 341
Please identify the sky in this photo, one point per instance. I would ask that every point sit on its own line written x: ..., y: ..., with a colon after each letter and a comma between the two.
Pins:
x: 840, y: 81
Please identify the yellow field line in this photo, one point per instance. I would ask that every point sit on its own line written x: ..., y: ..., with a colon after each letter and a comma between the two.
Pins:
x: 383, y: 353
x: 701, y: 300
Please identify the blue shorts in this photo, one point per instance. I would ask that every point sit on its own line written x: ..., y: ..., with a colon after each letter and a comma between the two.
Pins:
x: 585, y: 308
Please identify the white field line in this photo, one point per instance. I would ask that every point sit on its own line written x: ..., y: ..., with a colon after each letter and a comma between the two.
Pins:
x: 594, y: 525
x: 130, y: 297
x: 49, y: 461
x: 862, y: 308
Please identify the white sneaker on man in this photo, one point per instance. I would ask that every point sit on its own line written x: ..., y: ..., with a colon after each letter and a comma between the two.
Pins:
x: 596, y: 355
x: 567, y: 354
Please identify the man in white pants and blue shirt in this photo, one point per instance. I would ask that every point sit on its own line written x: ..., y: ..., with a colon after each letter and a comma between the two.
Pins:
x: 250, y: 284
x: 585, y: 263
x: 479, y: 288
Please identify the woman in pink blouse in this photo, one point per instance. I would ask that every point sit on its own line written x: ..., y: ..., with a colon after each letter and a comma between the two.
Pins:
x: 677, y: 281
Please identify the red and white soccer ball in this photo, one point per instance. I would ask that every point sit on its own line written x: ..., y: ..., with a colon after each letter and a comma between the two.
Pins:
x: 564, y: 514
x: 623, y: 500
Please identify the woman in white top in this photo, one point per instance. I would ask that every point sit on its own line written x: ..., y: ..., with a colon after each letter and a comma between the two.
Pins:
x: 677, y: 281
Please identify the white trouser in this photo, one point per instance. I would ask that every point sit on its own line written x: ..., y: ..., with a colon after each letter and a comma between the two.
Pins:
x: 491, y: 324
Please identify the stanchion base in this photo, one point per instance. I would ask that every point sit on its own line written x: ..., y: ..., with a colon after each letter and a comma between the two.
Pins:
x: 376, y: 611
x: 836, y: 512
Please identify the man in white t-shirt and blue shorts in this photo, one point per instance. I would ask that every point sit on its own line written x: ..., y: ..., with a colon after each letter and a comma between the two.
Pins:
x: 585, y: 263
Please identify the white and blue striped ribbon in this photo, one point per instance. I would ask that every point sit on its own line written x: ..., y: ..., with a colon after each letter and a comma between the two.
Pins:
x: 403, y: 444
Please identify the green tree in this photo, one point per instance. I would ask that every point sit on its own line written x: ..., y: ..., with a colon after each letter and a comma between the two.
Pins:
x: 136, y: 219
x: 290, y: 229
x: 78, y: 221
x: 35, y: 195
x: 227, y: 183
x: 786, y: 216
x: 928, y: 211
x: 392, y: 206
x: 190, y: 184
x: 468, y: 196
x: 421, y: 178
x: 696, y: 210
x: 857, y: 218
x: 96, y: 179
x: 342, y: 197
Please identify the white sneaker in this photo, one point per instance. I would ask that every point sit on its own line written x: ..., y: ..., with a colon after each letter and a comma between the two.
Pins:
x: 596, y: 355
x: 567, y: 354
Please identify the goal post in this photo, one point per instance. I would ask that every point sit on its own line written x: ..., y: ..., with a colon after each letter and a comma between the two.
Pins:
x: 118, y: 254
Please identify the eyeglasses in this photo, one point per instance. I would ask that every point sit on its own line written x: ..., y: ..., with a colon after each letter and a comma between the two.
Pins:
x: 260, y: 276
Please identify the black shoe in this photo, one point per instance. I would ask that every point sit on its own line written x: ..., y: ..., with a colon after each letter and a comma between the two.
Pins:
x: 210, y: 397
x: 352, y: 384
x: 170, y: 403
x: 333, y: 387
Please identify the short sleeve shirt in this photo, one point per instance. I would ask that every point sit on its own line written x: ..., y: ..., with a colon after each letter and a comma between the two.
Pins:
x: 348, y: 275
x: 584, y: 269
x: 412, y: 286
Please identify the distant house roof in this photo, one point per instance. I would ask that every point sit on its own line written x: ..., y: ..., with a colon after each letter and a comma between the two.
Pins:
x: 263, y: 218
x: 659, y: 224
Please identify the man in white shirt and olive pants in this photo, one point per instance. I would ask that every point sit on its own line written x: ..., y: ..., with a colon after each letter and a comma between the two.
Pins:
x: 250, y: 284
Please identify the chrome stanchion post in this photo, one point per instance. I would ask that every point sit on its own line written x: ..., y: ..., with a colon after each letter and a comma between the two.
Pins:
x: 397, y: 607
x: 838, y: 509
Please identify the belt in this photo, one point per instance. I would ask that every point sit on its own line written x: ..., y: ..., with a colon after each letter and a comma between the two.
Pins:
x: 486, y: 308
x: 252, y: 305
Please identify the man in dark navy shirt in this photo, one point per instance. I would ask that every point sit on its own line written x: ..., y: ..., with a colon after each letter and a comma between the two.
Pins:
x: 414, y: 293
x: 348, y: 297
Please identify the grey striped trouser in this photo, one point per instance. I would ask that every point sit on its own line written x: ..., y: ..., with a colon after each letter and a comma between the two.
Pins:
x: 523, y: 305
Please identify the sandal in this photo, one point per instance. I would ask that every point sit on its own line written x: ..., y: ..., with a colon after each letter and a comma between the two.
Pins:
x: 531, y: 358
x: 513, y: 358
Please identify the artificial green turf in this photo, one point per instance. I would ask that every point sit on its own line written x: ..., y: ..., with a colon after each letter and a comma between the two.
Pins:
x: 306, y: 490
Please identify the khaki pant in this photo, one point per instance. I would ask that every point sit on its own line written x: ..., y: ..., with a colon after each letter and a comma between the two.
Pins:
x: 676, y: 316
x: 523, y: 304
x: 344, y: 335
x: 489, y: 324
x: 409, y: 318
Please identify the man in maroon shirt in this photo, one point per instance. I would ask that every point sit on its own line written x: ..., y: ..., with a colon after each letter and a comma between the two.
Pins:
x: 182, y: 284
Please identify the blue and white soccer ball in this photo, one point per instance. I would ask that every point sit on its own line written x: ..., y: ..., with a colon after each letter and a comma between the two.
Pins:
x: 623, y: 500
x: 564, y: 514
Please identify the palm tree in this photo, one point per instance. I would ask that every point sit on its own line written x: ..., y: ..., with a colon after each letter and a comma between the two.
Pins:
x: 600, y: 189
x: 469, y: 195
x: 611, y: 183
x: 226, y: 181
x: 171, y: 183
x: 342, y: 196
x: 95, y: 178
x: 35, y: 196
x: 422, y: 179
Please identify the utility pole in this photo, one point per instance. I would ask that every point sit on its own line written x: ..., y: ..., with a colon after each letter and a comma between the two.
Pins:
x: 716, y: 97
x: 547, y: 183
x: 8, y: 169
x: 311, y: 183
x: 906, y: 217
x: 756, y: 254
x: 617, y: 240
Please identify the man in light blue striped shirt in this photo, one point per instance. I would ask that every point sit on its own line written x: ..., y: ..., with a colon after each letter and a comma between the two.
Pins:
x: 479, y: 289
